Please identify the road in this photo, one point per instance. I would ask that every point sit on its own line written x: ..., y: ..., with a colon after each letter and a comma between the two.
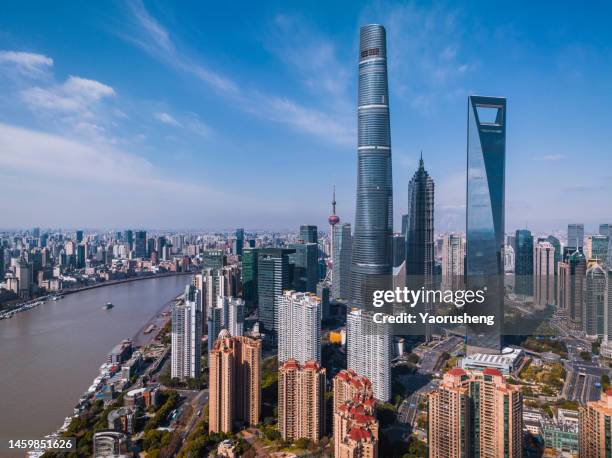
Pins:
x: 431, y: 360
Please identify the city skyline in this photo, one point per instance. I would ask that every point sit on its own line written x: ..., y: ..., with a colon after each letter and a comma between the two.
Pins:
x: 90, y: 132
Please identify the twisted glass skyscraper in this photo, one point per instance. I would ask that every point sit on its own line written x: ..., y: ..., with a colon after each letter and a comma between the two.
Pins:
x: 372, y: 254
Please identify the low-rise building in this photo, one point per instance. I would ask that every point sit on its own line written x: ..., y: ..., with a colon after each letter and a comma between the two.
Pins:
x: 507, y: 362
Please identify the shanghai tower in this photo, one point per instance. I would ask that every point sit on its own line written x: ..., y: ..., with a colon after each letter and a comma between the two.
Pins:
x: 372, y: 254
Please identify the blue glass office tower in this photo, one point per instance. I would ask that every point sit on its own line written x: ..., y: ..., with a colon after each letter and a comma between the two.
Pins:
x: 523, y: 263
x: 372, y: 252
x: 485, y: 208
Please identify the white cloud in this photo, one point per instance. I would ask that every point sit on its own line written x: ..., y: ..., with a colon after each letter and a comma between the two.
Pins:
x: 75, y: 95
x: 27, y: 63
x: 427, y: 62
x: 166, y: 119
x: 155, y: 39
x: 96, y: 184
x: 549, y: 157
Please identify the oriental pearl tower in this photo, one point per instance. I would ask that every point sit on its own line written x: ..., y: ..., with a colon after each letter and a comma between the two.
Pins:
x: 333, y: 220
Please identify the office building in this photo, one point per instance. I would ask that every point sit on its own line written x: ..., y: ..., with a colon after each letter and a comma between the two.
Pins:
x: 399, y: 249
x: 574, y: 289
x: 239, y: 242
x: 299, y: 327
x: 301, y: 400
x: 323, y: 293
x: 554, y: 241
x: 341, y: 261
x: 140, y: 244
x: 273, y: 277
x: 128, y: 237
x: 213, y: 259
x: 372, y: 257
x: 305, y: 260
x: 453, y: 261
x: 107, y: 444
x: 485, y: 216
x: 596, y: 248
x: 523, y: 263
x: 605, y: 230
x: 187, y: 336
x: 544, y: 274
x: 234, y: 383
x: 595, y: 301
x: 369, y: 351
x: 309, y: 234
x: 596, y: 427
x: 475, y: 413
x: 420, y: 229
x: 575, y: 238
x: 249, y: 276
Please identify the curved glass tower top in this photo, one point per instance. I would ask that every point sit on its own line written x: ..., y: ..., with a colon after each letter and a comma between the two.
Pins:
x: 372, y: 260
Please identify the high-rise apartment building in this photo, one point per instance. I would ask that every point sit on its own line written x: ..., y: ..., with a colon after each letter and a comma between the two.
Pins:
x: 475, y: 413
x: 355, y: 425
x: 523, y: 263
x: 372, y: 257
x: 299, y: 327
x: 273, y: 277
x: 348, y: 384
x: 301, y: 400
x: 227, y: 313
x: 485, y: 217
x: 234, y: 382
x: 186, y: 336
x: 453, y: 261
x: 595, y: 301
x: 596, y: 427
x: 342, y: 249
x: 369, y: 351
x: 544, y: 274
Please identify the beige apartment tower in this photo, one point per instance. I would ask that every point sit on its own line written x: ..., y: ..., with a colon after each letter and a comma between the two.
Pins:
x: 475, y: 413
x: 355, y: 426
x: 301, y: 400
x: 596, y: 427
x: 234, y: 382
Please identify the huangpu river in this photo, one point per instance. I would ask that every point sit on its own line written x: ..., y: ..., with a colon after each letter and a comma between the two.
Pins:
x: 49, y: 355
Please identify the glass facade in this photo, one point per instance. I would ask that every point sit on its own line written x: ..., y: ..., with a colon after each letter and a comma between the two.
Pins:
x: 485, y: 213
x: 372, y: 252
x: 523, y: 263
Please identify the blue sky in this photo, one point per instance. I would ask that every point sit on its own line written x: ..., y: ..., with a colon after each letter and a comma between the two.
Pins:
x: 202, y: 115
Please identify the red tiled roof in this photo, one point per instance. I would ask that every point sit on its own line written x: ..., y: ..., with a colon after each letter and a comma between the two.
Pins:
x: 457, y: 372
x: 358, y: 434
x: 490, y: 371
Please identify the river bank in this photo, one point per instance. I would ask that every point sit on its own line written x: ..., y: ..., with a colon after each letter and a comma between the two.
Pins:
x: 50, y: 356
x: 31, y: 304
